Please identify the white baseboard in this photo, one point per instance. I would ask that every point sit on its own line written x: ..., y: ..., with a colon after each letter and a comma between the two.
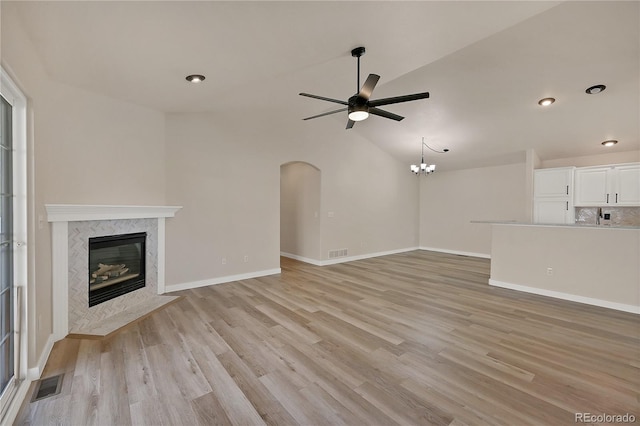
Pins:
x: 301, y: 258
x: 458, y: 252
x: 566, y: 296
x: 257, y: 274
x: 35, y: 372
x: 220, y: 280
x: 346, y: 258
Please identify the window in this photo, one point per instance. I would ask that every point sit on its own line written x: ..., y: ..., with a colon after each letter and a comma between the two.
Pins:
x: 13, y: 237
x: 7, y: 343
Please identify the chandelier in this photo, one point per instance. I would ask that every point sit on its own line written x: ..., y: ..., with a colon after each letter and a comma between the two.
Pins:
x: 424, y: 168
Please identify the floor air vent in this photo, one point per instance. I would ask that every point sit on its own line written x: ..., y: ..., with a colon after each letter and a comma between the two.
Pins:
x: 47, y: 387
x: 338, y: 253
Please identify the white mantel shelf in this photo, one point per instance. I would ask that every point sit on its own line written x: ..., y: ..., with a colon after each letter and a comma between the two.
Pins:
x: 79, y: 212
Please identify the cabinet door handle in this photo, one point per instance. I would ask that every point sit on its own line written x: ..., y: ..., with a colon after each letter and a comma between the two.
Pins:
x: 607, y: 198
x: 567, y: 205
x: 567, y: 189
x: 616, y: 198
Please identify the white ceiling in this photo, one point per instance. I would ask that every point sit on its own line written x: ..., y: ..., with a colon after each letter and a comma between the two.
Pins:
x: 486, y: 64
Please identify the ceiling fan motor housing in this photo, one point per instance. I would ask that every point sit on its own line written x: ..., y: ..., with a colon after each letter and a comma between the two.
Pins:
x: 358, y: 103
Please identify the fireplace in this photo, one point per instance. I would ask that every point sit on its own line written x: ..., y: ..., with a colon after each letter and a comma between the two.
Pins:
x: 116, y: 266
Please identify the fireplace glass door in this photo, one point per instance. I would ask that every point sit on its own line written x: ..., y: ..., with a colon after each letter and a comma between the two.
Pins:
x: 116, y: 266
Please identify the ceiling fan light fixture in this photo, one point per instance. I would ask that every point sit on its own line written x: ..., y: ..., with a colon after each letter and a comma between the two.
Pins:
x: 546, y: 101
x: 358, y: 112
x: 358, y: 115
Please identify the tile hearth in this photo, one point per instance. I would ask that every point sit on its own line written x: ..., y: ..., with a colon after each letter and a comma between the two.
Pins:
x: 109, y: 325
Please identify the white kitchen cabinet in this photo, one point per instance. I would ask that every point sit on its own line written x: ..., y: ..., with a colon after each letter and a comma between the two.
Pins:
x: 553, y: 196
x: 627, y: 185
x: 608, y: 186
x: 553, y: 211
x: 557, y: 182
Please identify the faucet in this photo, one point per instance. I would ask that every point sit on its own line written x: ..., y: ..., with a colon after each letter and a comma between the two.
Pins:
x: 598, y: 215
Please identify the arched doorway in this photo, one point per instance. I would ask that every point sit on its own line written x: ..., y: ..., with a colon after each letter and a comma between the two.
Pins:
x: 300, y: 211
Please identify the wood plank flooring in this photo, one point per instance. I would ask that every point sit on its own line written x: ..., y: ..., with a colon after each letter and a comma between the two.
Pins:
x: 417, y: 338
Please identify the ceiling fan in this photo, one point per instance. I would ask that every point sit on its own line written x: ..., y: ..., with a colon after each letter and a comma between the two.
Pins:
x: 359, y: 106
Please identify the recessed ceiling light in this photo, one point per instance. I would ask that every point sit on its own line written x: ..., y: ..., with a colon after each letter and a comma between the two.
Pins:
x: 593, y: 90
x: 610, y: 142
x: 546, y: 101
x: 195, y: 78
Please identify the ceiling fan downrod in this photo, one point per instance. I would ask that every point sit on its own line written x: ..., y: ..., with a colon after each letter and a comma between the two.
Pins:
x: 356, y: 53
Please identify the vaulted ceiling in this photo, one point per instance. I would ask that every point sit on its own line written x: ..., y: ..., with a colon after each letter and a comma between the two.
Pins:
x: 485, y: 64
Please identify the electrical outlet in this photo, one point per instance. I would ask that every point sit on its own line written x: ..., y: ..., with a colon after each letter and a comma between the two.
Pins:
x: 549, y: 271
x: 246, y: 258
x: 224, y: 260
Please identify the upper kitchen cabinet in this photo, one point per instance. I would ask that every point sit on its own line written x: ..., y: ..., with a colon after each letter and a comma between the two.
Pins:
x: 628, y: 185
x: 608, y: 185
x: 556, y: 182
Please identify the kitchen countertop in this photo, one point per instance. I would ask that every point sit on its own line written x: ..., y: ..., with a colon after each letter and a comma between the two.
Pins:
x: 560, y: 225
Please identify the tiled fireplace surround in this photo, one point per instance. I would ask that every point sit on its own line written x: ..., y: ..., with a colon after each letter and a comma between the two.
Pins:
x: 72, y: 226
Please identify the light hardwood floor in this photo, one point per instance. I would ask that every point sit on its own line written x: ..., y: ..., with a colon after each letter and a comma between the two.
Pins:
x: 416, y: 338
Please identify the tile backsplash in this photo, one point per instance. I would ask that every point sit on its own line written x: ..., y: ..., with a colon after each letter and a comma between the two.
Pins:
x: 620, y: 216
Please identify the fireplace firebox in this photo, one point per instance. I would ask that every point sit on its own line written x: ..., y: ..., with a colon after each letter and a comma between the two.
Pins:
x: 116, y: 266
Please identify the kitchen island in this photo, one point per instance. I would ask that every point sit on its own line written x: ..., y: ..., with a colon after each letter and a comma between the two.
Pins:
x: 597, y: 265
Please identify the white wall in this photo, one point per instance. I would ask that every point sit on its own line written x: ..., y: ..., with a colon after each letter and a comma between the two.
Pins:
x: 300, y: 210
x: 84, y: 148
x: 229, y: 190
x: 226, y: 174
x: 592, y: 265
x: 449, y: 201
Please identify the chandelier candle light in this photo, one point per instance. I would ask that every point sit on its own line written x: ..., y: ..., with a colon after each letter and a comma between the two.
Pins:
x: 424, y: 168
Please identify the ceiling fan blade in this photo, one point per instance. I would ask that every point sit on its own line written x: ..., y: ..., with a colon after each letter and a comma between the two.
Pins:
x: 385, y: 114
x: 368, y: 86
x: 337, y: 101
x: 398, y: 99
x: 326, y: 113
x: 350, y: 124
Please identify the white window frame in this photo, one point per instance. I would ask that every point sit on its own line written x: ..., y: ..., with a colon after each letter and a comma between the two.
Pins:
x: 15, y: 97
